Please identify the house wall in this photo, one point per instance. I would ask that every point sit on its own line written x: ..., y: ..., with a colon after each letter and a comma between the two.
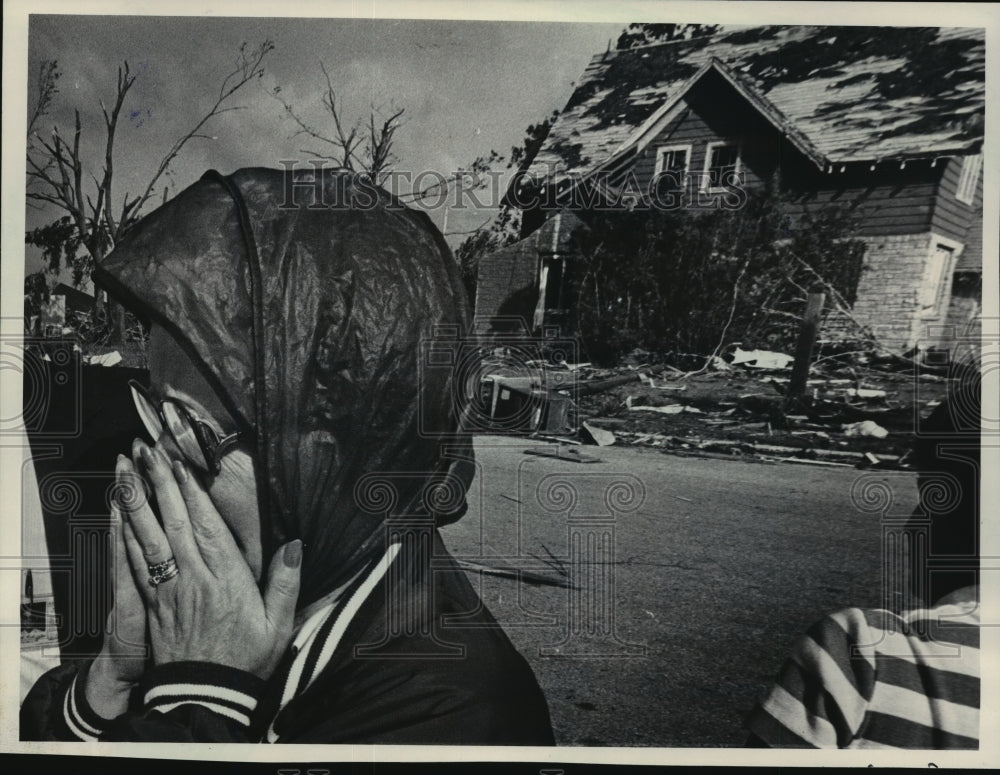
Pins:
x: 514, y: 282
x: 887, y: 200
x: 952, y: 217
x: 894, y: 202
x: 889, y: 291
x: 710, y: 115
x: 507, y: 286
x: 902, y: 211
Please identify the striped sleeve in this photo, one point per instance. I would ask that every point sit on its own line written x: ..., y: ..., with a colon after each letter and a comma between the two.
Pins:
x: 225, y: 691
x: 823, y: 692
x: 81, y: 720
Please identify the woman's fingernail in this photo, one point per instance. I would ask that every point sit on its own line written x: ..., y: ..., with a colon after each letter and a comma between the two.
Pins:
x: 180, y: 472
x: 147, y: 456
x: 120, y: 463
x: 293, y: 554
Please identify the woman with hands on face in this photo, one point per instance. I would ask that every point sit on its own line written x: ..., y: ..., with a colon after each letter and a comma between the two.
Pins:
x: 197, y: 615
x: 263, y: 589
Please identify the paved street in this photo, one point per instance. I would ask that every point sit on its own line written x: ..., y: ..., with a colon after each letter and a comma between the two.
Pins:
x: 715, y: 567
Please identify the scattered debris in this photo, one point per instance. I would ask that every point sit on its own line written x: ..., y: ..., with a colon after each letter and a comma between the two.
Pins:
x: 564, y: 453
x: 513, y: 572
x: 762, y: 359
x: 856, y: 406
x: 865, y: 393
x: 594, y: 435
x: 866, y: 428
x: 668, y: 409
x: 112, y: 358
x: 807, y: 461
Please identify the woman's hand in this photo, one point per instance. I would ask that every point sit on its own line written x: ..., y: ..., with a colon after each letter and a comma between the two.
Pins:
x: 212, y: 610
x: 121, y: 661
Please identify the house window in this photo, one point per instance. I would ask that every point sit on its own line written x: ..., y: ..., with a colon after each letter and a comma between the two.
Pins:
x: 673, y: 159
x: 722, y: 160
x: 935, y: 279
x: 969, y: 178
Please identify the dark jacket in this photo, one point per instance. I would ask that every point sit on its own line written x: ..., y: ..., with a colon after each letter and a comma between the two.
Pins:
x: 311, y: 307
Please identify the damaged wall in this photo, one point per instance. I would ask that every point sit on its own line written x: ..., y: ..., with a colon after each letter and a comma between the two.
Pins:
x: 905, y: 290
x: 507, y: 285
x: 515, y: 282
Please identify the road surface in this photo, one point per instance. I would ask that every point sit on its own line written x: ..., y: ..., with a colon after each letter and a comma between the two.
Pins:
x: 692, y: 577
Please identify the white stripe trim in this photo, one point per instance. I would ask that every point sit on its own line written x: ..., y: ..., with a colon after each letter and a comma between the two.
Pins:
x: 76, y: 725
x: 308, y: 630
x: 209, y: 691
x: 351, y: 609
x: 303, y: 642
x: 223, y: 710
x: 75, y: 709
x: 336, y: 632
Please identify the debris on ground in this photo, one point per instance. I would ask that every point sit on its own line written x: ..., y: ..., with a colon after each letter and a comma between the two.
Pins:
x: 513, y: 571
x: 866, y: 428
x: 112, y: 358
x: 563, y: 453
x: 668, y: 409
x: 762, y: 359
x: 858, y: 409
x: 591, y: 434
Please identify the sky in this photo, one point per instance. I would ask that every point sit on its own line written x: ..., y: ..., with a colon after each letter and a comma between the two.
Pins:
x: 466, y: 87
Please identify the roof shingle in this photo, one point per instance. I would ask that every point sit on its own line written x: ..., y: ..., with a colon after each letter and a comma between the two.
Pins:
x: 856, y: 93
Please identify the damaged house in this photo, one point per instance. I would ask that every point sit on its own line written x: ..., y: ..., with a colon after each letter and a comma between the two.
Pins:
x: 887, y: 122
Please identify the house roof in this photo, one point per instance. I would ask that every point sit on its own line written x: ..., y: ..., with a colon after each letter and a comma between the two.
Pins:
x: 840, y: 94
x: 670, y: 109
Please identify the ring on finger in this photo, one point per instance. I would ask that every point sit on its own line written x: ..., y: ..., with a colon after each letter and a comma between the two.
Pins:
x: 162, y: 571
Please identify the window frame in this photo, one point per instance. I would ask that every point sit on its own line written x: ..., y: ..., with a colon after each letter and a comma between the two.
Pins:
x: 939, y: 280
x: 663, y: 150
x: 968, y: 178
x: 706, y: 180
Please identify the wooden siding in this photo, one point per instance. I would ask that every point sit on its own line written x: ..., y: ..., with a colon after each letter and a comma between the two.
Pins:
x: 903, y: 206
x: 953, y: 218
x: 886, y: 200
x: 714, y: 112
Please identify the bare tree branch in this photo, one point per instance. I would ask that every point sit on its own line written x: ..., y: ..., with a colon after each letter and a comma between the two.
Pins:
x: 248, y: 67
x: 48, y: 76
x: 368, y: 151
x: 125, y: 81
x: 469, y: 231
x: 55, y: 168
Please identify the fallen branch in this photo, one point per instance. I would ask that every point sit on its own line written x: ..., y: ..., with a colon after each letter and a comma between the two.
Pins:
x: 725, y: 329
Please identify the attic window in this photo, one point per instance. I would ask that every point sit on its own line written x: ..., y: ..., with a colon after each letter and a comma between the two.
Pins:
x: 722, y: 162
x: 969, y: 178
x: 673, y: 160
